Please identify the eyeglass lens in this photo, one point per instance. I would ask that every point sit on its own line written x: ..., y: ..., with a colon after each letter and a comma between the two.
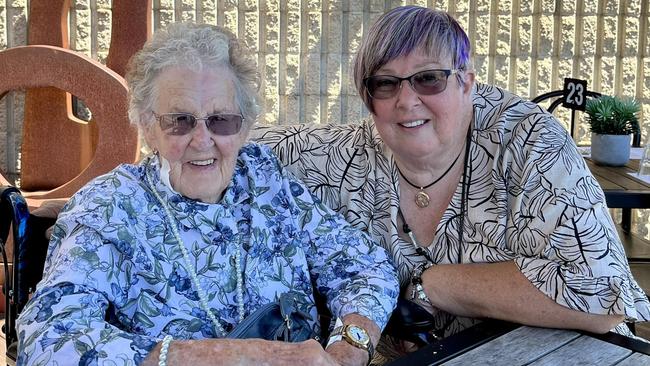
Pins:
x: 428, y: 82
x: 222, y: 124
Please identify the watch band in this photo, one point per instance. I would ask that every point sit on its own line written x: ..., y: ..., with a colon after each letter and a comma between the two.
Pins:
x: 337, y: 333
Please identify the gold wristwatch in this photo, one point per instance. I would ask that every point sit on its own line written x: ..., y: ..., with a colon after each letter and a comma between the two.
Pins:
x: 354, y: 335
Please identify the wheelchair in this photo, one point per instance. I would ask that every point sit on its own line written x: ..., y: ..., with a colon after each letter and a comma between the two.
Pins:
x: 26, y: 268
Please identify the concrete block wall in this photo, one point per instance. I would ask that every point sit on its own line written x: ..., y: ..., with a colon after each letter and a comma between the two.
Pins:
x: 304, y: 50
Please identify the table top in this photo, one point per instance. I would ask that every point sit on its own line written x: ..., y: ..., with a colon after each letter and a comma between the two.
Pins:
x: 502, y: 343
x: 622, y: 190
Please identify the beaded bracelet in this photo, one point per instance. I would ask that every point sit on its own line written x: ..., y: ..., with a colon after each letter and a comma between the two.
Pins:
x: 416, y: 280
x: 162, y: 359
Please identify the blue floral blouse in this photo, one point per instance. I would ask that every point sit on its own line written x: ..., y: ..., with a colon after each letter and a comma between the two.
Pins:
x: 115, y: 282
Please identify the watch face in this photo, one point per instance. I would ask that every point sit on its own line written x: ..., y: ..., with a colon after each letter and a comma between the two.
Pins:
x: 358, y: 334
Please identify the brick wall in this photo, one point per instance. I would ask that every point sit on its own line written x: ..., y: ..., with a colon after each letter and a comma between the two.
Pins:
x: 304, y: 49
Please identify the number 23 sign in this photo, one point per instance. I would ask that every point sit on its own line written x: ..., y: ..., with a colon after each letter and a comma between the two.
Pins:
x: 575, y: 94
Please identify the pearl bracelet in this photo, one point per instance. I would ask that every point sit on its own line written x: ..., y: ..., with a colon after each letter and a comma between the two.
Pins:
x: 162, y: 359
x: 416, y: 280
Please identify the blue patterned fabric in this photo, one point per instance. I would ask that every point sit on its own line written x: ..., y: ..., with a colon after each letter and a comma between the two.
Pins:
x: 115, y: 281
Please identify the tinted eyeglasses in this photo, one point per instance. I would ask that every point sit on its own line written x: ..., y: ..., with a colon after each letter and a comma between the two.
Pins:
x: 178, y: 124
x: 427, y: 82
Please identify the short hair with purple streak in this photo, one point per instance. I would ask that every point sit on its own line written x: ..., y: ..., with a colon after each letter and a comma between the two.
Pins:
x: 403, y: 30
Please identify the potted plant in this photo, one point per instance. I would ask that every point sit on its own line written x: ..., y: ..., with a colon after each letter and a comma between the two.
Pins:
x: 612, y: 121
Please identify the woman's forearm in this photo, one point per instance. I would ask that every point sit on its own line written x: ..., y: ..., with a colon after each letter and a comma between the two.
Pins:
x: 258, y: 351
x: 501, y: 291
x: 240, y: 352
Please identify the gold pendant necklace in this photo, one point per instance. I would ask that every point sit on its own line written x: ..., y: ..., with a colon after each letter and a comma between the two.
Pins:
x: 422, y: 199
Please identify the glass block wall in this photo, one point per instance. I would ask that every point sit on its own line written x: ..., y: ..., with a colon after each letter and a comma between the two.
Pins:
x: 304, y: 50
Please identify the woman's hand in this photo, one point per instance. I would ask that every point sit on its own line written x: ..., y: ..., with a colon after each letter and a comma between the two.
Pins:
x: 309, y: 352
x: 242, y: 352
x: 346, y: 354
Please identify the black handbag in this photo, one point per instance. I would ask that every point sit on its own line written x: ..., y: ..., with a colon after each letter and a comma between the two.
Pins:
x: 277, y: 321
x: 411, y: 322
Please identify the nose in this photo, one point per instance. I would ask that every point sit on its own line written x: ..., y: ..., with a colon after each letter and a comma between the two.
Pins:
x: 407, y: 97
x: 201, y: 136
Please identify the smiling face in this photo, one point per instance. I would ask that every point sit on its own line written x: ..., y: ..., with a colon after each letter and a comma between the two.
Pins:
x: 422, y: 128
x: 202, y: 163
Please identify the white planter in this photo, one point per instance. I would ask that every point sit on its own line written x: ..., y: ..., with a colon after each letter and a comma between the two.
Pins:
x: 611, y: 150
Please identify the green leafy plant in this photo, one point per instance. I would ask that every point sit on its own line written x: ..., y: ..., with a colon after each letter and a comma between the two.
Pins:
x: 613, y: 116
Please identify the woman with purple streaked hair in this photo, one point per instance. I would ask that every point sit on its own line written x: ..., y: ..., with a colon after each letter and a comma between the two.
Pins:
x: 481, y: 197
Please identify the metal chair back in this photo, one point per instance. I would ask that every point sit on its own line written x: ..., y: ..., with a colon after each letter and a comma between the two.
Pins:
x: 556, y: 99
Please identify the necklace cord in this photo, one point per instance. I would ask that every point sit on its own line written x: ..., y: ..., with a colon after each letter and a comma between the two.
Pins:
x: 464, y: 196
x: 435, y: 181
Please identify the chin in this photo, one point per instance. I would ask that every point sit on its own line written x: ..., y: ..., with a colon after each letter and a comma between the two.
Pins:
x: 202, y: 196
x: 418, y: 150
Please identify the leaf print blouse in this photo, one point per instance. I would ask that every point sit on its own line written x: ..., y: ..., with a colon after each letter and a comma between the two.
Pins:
x: 530, y: 199
x: 115, y: 282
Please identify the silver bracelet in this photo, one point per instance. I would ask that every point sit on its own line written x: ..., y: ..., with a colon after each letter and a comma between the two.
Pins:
x: 162, y: 359
x: 416, y: 280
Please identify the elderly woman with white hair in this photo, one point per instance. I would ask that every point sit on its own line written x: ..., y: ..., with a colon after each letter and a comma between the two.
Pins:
x: 156, y: 263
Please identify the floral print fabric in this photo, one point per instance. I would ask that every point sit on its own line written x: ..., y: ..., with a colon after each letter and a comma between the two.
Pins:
x: 530, y: 199
x: 115, y: 282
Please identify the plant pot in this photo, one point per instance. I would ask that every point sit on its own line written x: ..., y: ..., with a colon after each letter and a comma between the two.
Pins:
x: 613, y: 150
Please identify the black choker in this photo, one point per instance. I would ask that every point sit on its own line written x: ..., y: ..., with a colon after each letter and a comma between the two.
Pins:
x: 422, y: 198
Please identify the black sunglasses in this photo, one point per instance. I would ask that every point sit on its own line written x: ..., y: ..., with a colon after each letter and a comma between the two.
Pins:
x: 178, y: 124
x: 427, y: 82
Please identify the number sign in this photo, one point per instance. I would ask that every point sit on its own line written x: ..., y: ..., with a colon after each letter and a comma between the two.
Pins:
x: 575, y: 94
